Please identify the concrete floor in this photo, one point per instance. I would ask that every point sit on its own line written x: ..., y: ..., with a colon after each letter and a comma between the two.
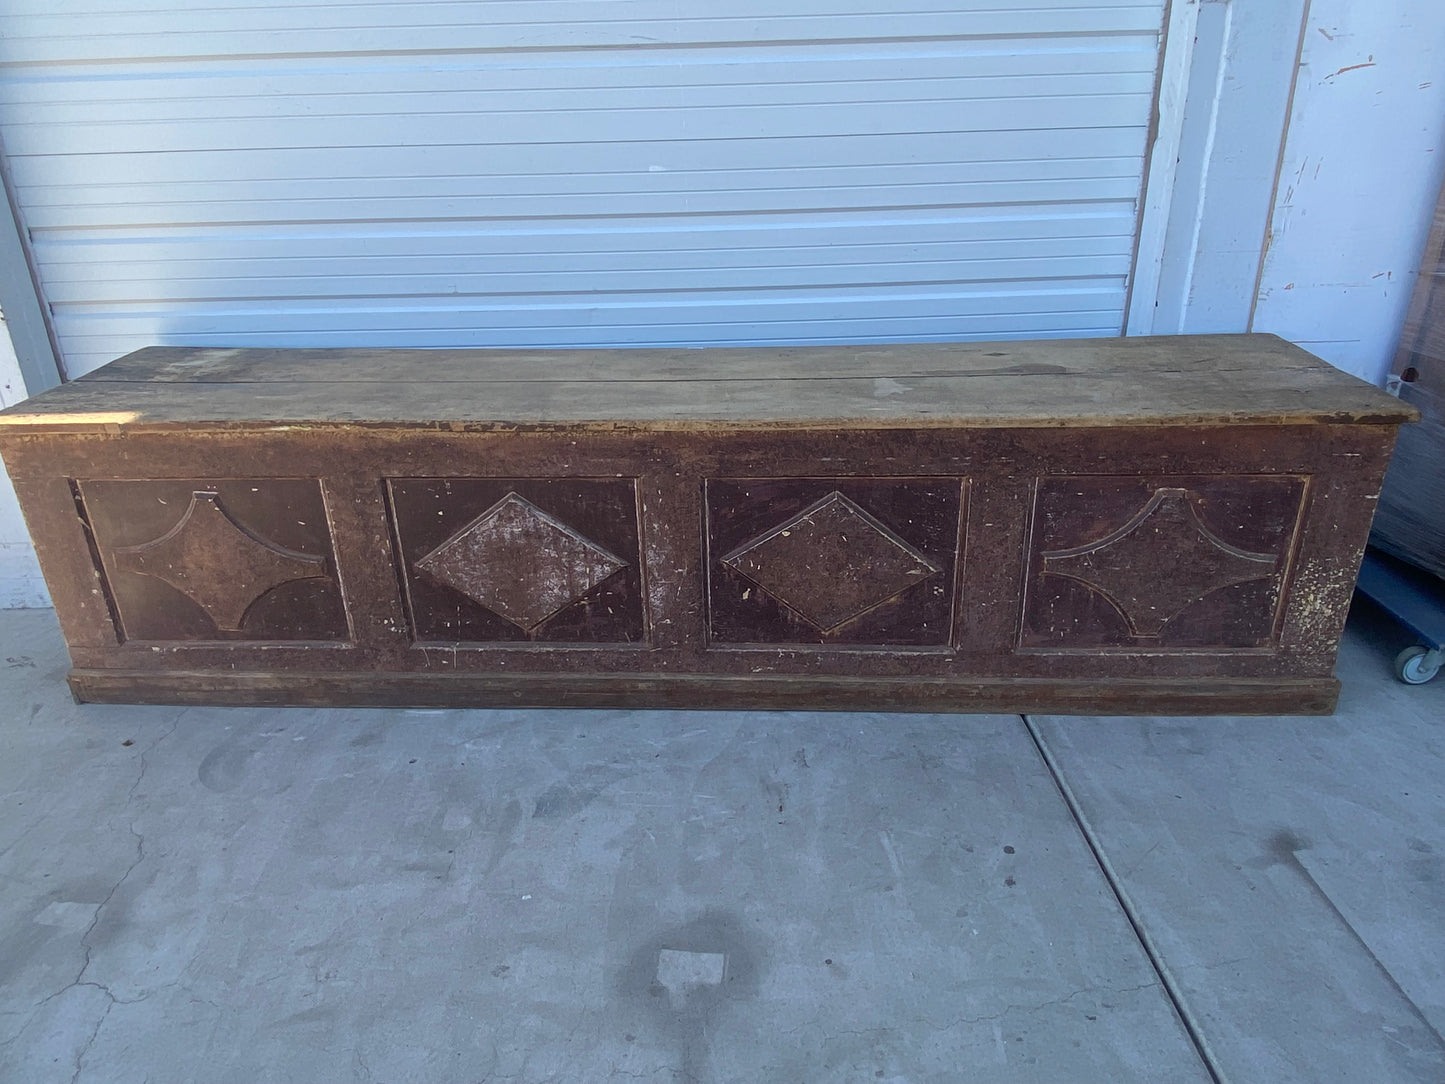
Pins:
x: 236, y: 895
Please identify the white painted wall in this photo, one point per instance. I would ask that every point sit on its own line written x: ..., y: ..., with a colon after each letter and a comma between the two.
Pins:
x: 1359, y: 178
x: 20, y: 584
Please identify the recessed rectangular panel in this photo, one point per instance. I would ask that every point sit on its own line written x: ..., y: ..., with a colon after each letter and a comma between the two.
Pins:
x: 520, y: 560
x: 846, y: 562
x: 1160, y: 562
x: 199, y: 559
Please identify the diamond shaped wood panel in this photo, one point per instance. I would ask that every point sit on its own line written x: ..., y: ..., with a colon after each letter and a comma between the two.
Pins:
x: 845, y: 561
x: 1160, y: 562
x: 232, y: 559
x: 517, y: 560
x: 520, y: 563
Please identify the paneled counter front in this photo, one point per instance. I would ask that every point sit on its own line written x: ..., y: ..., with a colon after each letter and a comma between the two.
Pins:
x: 1102, y: 526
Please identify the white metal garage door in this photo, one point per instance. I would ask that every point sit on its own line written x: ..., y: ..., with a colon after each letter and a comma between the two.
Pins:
x: 590, y: 172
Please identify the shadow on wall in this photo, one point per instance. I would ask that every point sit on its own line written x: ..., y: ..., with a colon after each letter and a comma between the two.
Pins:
x: 21, y: 587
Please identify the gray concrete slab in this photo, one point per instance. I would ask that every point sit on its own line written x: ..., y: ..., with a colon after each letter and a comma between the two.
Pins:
x: 316, y: 896
x: 1290, y: 872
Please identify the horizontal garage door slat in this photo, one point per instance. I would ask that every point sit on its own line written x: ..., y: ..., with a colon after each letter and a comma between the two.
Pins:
x: 726, y: 318
x: 598, y: 283
x: 304, y: 29
x: 539, y: 172
x: 806, y: 72
x: 657, y: 201
x: 396, y: 198
x: 576, y: 128
x: 966, y: 150
x: 633, y: 240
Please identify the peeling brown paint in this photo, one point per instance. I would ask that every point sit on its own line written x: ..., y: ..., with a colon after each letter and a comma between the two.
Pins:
x: 1353, y: 68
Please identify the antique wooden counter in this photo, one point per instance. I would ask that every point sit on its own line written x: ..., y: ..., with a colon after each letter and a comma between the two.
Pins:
x: 1126, y: 525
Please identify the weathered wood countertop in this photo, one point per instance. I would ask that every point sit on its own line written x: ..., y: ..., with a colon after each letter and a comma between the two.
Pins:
x: 1176, y: 380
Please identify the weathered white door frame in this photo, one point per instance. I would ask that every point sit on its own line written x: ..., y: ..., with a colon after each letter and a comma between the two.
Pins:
x: 1177, y: 57
x: 21, y: 300
x: 1227, y: 82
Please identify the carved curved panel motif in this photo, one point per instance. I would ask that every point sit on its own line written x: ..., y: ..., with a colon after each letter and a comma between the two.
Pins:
x: 216, y: 562
x: 202, y: 560
x: 858, y: 561
x: 1168, y: 562
x: 499, y: 561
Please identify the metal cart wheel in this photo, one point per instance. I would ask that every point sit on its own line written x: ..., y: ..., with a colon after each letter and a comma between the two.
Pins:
x: 1417, y: 664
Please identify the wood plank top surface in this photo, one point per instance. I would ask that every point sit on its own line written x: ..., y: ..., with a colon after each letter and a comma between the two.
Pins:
x: 1175, y: 380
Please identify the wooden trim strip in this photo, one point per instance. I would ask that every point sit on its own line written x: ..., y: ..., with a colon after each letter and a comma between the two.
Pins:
x: 759, y: 692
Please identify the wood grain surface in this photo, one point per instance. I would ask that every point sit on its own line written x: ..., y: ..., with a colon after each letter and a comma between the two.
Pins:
x: 1183, y: 380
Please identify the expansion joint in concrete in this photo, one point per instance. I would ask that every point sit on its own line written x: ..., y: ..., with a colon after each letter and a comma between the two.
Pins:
x: 1171, y: 986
